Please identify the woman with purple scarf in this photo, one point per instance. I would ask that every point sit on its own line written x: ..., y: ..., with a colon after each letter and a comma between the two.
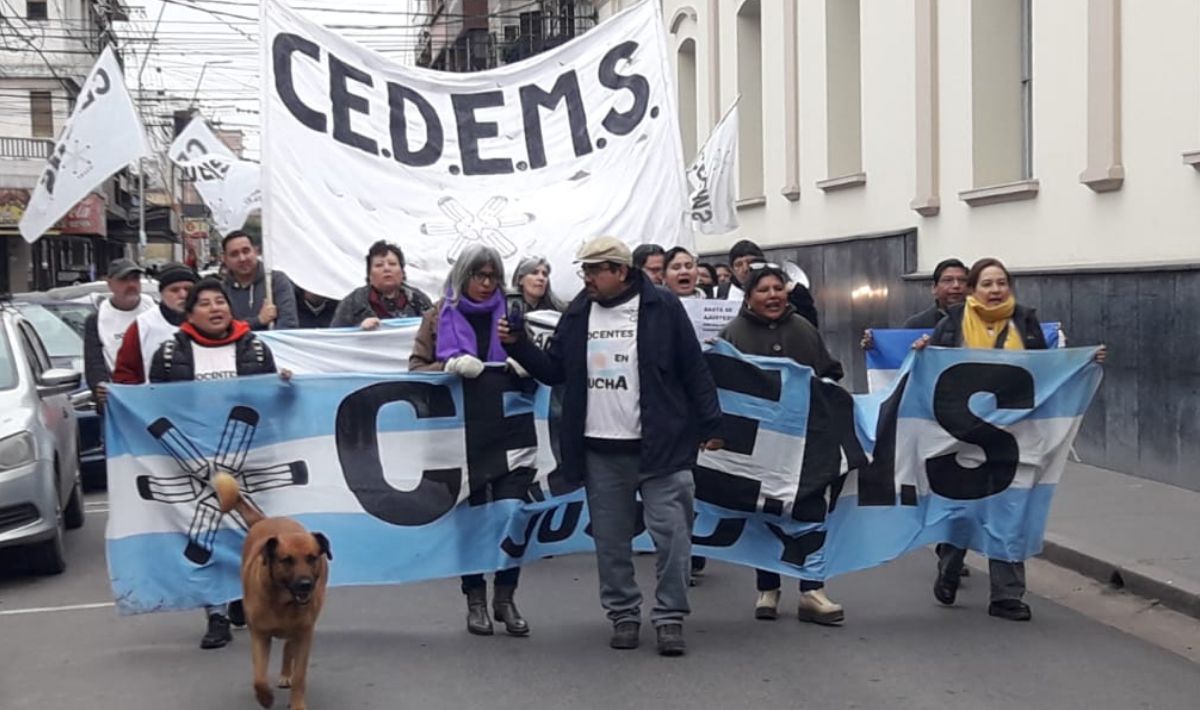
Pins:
x: 459, y: 335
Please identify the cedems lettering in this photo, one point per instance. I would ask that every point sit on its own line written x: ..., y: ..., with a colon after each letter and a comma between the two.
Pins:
x: 352, y: 90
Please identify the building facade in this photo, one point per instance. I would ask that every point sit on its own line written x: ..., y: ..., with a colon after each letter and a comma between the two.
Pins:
x: 473, y: 35
x: 47, y: 50
x: 1062, y: 136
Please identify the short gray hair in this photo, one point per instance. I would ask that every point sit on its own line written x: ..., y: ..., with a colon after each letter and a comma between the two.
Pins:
x: 472, y: 259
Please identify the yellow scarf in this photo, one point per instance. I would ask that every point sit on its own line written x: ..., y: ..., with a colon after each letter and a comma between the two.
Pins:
x: 981, y: 324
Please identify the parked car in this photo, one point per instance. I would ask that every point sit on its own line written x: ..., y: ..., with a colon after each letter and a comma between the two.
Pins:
x: 40, y: 488
x: 55, y: 322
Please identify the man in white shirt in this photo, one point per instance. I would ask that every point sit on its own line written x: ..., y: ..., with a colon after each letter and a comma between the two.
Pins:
x: 104, y: 329
x: 639, y: 403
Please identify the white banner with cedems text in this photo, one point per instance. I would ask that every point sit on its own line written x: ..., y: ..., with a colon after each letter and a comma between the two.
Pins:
x: 229, y: 186
x: 103, y: 135
x: 530, y: 158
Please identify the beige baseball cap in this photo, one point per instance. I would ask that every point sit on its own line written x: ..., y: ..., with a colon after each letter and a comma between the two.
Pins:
x: 604, y: 249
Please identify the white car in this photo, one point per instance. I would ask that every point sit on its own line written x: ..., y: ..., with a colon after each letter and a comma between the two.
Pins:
x: 40, y: 490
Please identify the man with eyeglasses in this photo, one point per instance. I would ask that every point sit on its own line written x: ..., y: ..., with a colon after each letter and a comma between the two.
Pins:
x: 639, y: 403
x: 746, y: 253
x: 949, y: 288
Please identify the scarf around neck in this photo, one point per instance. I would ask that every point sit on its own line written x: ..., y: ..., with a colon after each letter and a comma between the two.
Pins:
x: 387, y: 307
x: 237, y: 329
x: 984, y: 325
x: 456, y: 336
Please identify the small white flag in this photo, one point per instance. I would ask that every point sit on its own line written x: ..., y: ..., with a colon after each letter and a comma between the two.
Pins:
x: 712, y: 179
x: 103, y: 135
x: 229, y: 186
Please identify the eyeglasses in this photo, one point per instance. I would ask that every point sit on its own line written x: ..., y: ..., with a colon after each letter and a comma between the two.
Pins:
x: 591, y: 270
x: 484, y: 277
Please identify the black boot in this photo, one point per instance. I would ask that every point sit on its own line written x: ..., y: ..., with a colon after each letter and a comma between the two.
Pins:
x: 478, y: 621
x: 505, y: 611
x: 217, y: 634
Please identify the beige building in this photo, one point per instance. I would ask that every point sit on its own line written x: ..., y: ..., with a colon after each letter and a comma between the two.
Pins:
x: 1062, y: 136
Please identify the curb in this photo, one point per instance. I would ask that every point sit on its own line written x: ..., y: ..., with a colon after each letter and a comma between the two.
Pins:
x: 1143, y: 580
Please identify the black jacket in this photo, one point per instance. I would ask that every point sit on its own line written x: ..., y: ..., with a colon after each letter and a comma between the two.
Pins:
x: 95, y: 368
x: 308, y: 318
x: 948, y: 333
x: 356, y: 306
x: 174, y: 362
x: 678, y: 397
x: 791, y: 336
x: 928, y: 318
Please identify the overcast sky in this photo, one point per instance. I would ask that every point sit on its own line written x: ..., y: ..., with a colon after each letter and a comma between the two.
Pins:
x: 209, y: 49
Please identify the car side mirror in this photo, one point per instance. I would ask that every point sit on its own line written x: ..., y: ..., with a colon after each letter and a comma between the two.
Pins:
x: 58, y: 380
x: 83, y: 400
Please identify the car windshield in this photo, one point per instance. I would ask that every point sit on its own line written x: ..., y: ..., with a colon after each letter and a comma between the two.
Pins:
x: 73, y: 314
x: 8, y: 368
x: 58, y: 337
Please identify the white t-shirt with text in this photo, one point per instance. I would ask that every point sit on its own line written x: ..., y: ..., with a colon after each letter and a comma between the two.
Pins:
x: 614, y: 390
x: 216, y: 363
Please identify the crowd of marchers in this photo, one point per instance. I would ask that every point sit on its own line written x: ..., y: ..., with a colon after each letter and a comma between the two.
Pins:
x: 627, y: 325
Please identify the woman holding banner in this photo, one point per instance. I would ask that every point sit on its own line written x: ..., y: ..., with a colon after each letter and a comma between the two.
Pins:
x: 990, y: 318
x: 458, y: 335
x: 385, y: 295
x: 769, y: 325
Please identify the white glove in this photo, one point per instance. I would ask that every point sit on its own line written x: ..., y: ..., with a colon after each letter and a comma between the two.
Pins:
x: 467, y: 366
x: 516, y: 367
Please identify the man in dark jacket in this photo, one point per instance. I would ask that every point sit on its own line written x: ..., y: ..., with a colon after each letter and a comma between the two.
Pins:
x: 314, y: 310
x: 741, y: 256
x: 639, y: 402
x: 212, y: 345
x: 246, y: 283
x: 949, y: 289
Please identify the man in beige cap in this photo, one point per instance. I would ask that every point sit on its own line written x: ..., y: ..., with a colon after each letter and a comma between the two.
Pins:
x: 639, y: 403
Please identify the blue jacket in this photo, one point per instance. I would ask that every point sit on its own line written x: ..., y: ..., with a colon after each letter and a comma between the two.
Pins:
x: 678, y: 396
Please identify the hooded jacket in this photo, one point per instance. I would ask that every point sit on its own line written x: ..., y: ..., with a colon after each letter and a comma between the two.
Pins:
x: 247, y: 301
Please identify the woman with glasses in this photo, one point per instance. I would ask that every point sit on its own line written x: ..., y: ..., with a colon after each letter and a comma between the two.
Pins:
x: 385, y: 295
x: 459, y: 335
x: 769, y: 325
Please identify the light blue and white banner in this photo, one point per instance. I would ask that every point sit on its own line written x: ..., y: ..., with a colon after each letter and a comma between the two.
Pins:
x: 891, y: 347
x: 420, y: 476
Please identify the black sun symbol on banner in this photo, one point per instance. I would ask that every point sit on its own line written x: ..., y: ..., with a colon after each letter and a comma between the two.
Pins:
x: 482, y: 227
x: 192, y: 488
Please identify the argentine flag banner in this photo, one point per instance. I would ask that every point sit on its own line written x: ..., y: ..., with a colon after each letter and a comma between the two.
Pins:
x: 416, y: 476
x: 891, y: 346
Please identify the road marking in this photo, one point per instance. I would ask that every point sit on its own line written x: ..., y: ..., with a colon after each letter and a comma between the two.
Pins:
x: 51, y: 609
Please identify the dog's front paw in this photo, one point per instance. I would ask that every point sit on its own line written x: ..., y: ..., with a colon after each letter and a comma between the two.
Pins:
x: 285, y: 681
x: 263, y: 693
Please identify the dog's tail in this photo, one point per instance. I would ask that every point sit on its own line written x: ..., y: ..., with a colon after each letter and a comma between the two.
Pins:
x: 230, y: 498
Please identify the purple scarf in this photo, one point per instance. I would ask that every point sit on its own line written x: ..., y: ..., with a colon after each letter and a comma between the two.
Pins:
x: 456, y: 336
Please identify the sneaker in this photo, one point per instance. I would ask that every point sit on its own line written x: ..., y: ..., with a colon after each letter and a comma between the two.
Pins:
x: 218, y: 633
x: 1011, y: 609
x: 670, y: 640
x: 816, y: 607
x: 237, y: 614
x: 625, y: 635
x: 767, y: 606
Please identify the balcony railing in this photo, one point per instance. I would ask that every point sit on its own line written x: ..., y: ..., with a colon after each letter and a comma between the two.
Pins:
x: 30, y: 148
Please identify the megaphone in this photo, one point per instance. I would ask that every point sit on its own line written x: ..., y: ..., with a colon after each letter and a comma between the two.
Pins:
x: 795, y: 273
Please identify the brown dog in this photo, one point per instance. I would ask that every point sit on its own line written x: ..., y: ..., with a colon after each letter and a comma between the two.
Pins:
x: 284, y: 571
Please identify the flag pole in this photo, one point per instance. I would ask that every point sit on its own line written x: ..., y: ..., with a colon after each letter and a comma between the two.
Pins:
x: 264, y: 112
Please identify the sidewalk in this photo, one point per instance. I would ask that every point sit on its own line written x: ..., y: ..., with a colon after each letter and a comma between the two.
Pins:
x: 1133, y: 532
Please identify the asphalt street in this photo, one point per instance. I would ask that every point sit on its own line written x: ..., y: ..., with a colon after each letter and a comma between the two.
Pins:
x: 63, y: 646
